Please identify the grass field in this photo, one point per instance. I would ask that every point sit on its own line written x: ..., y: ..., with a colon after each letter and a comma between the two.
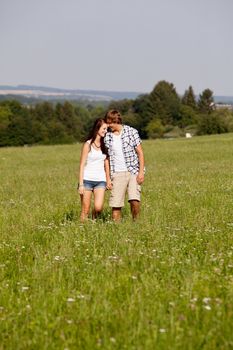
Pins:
x: 164, y: 282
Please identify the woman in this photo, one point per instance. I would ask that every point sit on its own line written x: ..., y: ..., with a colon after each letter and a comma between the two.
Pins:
x: 94, y: 174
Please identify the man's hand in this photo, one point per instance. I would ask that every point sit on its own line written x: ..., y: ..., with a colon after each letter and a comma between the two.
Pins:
x: 140, y: 178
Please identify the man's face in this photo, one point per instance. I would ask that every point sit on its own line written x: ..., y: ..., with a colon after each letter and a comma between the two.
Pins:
x: 113, y: 126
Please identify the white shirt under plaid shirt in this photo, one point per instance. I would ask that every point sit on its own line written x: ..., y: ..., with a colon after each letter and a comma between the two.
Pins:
x: 130, y: 140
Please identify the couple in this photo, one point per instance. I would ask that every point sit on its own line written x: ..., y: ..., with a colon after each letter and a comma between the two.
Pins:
x: 114, y: 160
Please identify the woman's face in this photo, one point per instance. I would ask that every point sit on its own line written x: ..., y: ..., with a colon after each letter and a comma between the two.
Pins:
x: 103, y: 129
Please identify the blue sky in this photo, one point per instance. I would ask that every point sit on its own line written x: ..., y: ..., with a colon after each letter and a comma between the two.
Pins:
x: 120, y: 45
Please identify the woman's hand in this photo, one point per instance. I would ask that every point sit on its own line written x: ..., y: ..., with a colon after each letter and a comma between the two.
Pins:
x: 109, y: 185
x: 81, y: 189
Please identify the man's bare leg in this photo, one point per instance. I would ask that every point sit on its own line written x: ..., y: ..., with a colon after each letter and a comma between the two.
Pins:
x: 135, y: 208
x: 116, y: 214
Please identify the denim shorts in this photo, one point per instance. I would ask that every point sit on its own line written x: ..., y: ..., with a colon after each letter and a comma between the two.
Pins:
x: 92, y: 185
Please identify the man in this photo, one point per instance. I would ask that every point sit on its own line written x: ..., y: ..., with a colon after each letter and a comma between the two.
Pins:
x: 126, y: 164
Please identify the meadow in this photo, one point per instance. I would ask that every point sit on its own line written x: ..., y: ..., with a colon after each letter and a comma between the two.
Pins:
x: 163, y: 282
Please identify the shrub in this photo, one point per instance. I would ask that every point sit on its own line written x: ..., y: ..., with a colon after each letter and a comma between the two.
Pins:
x: 212, y: 124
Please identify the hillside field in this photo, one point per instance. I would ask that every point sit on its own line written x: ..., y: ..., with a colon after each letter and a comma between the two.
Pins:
x: 163, y: 282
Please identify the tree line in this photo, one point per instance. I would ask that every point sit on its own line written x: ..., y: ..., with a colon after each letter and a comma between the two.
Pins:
x: 160, y: 113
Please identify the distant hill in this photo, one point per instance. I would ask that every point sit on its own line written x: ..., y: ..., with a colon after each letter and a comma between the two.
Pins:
x: 31, y: 94
x: 47, y: 93
x: 224, y: 99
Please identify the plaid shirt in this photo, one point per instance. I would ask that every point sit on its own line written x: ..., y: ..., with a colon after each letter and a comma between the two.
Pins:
x: 130, y: 140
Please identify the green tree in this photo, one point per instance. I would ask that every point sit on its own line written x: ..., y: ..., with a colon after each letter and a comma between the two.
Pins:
x: 43, y: 112
x: 164, y: 103
x: 123, y: 106
x: 189, y: 99
x: 188, y: 116
x: 5, y: 115
x: 17, y: 125
x: 65, y: 115
x: 226, y: 116
x: 20, y: 131
x: 134, y: 120
x: 57, y: 133
x: 206, y: 101
x: 85, y: 121
x: 97, y: 112
x: 212, y: 124
x: 155, y: 129
x: 141, y: 108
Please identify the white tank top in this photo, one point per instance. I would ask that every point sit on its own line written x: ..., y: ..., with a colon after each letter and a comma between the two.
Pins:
x: 94, y: 167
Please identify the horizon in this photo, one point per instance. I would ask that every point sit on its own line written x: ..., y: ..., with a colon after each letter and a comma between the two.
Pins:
x: 71, y: 89
x: 95, y: 90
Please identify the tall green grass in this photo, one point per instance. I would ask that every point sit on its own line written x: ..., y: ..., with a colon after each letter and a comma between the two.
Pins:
x: 164, y: 282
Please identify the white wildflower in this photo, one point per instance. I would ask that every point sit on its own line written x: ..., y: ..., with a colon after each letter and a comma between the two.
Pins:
x: 25, y: 288
x: 207, y: 307
x: 162, y: 330
x: 206, y: 300
x: 81, y: 296
x: 193, y: 300
x: 70, y: 300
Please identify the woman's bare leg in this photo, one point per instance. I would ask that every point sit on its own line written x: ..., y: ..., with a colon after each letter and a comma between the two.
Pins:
x: 98, y: 202
x: 85, y: 205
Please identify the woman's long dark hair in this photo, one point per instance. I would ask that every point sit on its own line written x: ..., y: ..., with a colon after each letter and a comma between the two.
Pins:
x: 93, y: 133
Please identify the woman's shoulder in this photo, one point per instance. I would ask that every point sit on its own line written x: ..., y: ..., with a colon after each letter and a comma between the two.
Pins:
x: 87, y: 146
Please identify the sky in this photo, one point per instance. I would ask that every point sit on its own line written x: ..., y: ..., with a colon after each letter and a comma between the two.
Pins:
x: 117, y: 45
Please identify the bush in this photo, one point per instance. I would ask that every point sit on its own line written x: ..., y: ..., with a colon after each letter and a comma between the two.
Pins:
x: 155, y: 129
x: 212, y: 124
x: 174, y: 132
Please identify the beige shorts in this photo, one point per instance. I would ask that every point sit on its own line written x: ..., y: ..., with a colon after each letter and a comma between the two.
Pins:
x: 124, y: 182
